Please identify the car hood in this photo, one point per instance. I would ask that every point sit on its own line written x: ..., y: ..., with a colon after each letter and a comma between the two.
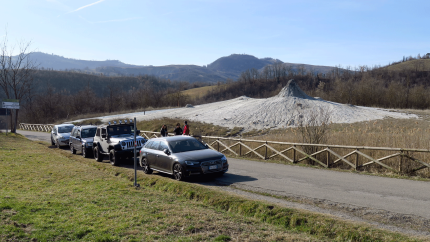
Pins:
x: 123, y: 137
x: 199, y: 155
x: 65, y: 135
x: 89, y: 139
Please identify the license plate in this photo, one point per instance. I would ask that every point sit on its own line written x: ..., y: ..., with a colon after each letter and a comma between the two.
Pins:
x: 213, y: 167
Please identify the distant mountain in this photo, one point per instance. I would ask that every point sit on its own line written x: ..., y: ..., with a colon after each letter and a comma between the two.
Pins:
x: 56, y: 62
x: 219, y: 70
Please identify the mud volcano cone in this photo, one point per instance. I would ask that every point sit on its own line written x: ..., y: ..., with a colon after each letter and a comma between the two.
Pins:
x: 293, y: 90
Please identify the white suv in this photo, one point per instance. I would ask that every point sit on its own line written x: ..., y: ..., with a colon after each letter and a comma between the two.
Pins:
x: 60, y: 134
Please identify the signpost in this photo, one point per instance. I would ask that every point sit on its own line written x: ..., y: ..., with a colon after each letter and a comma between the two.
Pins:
x: 9, y: 104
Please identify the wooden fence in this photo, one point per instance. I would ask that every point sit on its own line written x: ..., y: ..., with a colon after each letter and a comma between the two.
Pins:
x: 398, y: 160
x: 36, y: 127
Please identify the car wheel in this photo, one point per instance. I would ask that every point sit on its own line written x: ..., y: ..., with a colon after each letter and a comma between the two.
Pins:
x: 97, y: 155
x: 114, y: 158
x: 72, y: 149
x: 58, y: 144
x: 52, y: 141
x: 177, y: 172
x: 145, y: 166
x: 84, y: 152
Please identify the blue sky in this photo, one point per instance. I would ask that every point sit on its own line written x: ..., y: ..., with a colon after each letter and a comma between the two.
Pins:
x: 329, y: 32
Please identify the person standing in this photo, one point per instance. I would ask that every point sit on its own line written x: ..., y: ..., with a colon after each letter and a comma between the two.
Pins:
x: 163, y: 131
x: 186, y: 129
x: 178, y: 129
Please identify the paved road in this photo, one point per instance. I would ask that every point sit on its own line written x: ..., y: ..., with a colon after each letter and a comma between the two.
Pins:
x: 394, y: 195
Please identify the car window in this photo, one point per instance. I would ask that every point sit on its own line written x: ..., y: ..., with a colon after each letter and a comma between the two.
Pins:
x: 117, y: 130
x: 86, y: 133
x: 163, y: 146
x: 78, y: 133
x: 103, y: 131
x: 179, y: 146
x: 148, y: 145
x: 65, y: 129
x: 98, y: 132
x: 155, y: 145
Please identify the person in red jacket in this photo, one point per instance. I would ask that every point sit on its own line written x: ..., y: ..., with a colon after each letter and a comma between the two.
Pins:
x: 186, y: 129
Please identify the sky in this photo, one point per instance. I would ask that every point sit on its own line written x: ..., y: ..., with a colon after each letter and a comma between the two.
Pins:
x: 163, y: 32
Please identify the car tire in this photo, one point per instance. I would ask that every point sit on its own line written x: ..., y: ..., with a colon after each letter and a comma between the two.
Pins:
x: 52, y: 141
x: 178, y: 172
x: 84, y: 152
x: 145, y: 167
x: 72, y: 149
x: 57, y: 143
x: 114, y: 158
x: 97, y: 155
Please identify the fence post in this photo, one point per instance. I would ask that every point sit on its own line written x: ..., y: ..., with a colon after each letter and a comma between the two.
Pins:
x: 294, y: 154
x: 240, y: 147
x: 356, y: 160
x: 265, y: 153
x: 328, y: 158
x: 401, y: 161
x: 218, y: 144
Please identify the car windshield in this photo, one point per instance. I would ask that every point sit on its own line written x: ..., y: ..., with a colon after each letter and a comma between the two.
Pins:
x: 65, y: 129
x: 86, y: 133
x: 117, y: 130
x: 179, y: 146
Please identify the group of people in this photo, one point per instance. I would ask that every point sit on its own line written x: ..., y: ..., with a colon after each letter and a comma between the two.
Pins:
x: 178, y: 130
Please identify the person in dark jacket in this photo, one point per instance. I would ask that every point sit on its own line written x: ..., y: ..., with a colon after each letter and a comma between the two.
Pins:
x: 163, y: 131
x: 178, y: 129
x: 186, y: 129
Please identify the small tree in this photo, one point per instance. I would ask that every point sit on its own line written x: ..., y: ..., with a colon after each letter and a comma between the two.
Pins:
x: 16, y: 73
x: 314, y: 129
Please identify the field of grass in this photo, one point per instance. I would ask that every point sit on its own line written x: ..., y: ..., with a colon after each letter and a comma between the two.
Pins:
x: 199, y: 91
x: 51, y: 195
x: 420, y: 65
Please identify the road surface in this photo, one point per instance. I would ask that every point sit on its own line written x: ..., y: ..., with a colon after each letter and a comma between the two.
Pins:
x: 397, y: 196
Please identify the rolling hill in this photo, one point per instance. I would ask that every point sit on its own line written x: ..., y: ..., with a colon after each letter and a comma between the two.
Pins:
x: 219, y: 70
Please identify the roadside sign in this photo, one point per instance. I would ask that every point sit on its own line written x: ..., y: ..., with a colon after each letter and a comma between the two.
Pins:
x: 10, y: 103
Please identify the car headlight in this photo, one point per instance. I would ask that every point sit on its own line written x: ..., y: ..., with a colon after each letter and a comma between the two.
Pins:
x: 123, y: 143
x: 224, y: 159
x: 190, y: 163
x: 89, y: 144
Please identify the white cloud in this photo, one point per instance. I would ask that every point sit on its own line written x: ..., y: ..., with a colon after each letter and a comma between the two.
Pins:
x: 86, y: 6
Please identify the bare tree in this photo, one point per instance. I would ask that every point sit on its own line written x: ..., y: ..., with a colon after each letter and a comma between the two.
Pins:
x: 314, y: 129
x: 16, y: 73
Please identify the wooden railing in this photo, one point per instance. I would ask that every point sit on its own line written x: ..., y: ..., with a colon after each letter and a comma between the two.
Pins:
x: 36, y: 127
x: 328, y: 156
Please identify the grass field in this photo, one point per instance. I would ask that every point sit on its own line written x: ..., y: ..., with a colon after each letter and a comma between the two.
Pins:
x: 51, y: 195
x: 199, y: 91
x: 420, y: 65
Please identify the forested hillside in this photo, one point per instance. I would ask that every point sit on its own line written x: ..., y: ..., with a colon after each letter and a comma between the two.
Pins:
x: 402, y: 85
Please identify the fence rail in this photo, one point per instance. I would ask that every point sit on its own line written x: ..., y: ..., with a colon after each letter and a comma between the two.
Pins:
x: 328, y: 156
x: 36, y: 127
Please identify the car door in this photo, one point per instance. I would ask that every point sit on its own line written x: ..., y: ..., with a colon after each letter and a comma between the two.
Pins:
x: 104, y: 144
x: 78, y: 143
x: 72, y: 138
x: 151, y: 156
x: 164, y: 160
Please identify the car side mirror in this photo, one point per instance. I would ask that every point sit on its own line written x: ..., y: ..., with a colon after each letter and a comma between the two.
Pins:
x: 166, y: 151
x: 103, y: 136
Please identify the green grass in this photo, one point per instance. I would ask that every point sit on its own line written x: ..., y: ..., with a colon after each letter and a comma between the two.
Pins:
x: 49, y: 194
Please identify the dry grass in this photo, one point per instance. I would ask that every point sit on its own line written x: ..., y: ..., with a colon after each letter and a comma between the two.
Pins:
x: 420, y: 65
x: 200, y: 91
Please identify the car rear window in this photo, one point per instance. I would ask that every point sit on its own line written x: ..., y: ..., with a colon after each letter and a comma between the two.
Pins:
x: 186, y: 145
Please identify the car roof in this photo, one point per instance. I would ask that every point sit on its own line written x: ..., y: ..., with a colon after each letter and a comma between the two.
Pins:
x: 64, y: 125
x: 88, y: 126
x: 174, y: 138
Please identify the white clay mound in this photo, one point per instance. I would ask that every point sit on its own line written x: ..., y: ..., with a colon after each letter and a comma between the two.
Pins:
x: 286, y: 109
